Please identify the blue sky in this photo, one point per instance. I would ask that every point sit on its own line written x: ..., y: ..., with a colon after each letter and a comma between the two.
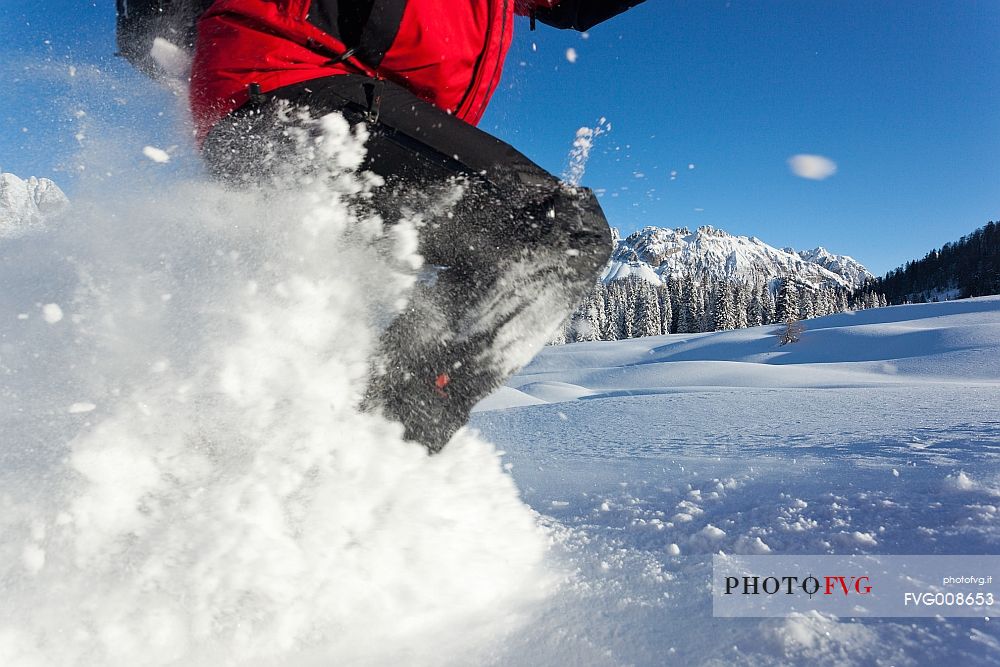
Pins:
x: 904, y: 97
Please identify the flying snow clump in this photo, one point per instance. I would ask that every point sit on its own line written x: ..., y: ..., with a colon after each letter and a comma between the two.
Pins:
x: 155, y: 154
x: 52, y: 313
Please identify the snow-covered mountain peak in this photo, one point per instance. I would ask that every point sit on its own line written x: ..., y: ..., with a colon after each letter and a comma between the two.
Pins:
x: 657, y: 253
x: 26, y: 203
x: 710, y: 231
x: 843, y: 265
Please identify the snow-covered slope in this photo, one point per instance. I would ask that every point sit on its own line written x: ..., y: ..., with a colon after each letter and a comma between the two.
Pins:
x: 877, y: 433
x: 25, y: 204
x: 655, y: 251
x: 899, y: 344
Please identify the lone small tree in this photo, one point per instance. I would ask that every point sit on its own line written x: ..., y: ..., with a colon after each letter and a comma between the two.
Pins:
x: 792, y: 331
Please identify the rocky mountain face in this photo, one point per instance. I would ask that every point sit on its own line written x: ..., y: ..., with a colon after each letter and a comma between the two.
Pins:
x: 25, y: 204
x: 843, y: 265
x: 656, y: 254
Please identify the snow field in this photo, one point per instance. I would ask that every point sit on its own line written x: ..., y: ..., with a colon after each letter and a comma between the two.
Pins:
x: 876, y: 433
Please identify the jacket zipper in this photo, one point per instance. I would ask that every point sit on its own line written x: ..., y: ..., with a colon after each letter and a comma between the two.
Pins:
x: 498, y: 61
x: 469, y: 98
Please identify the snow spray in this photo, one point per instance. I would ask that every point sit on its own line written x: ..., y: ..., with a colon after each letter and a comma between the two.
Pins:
x: 579, y: 154
x: 185, y: 478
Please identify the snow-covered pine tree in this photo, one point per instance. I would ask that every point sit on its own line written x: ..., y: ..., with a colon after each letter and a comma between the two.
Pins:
x: 686, y: 315
x: 842, y: 303
x: 602, y: 303
x: 615, y: 305
x: 666, y: 308
x: 590, y: 327
x: 703, y: 305
x: 559, y: 337
x: 787, y: 303
x: 629, y: 307
x: 675, y: 303
x: 807, y: 304
x: 725, y: 308
x: 790, y: 306
x: 647, y: 309
x: 755, y: 309
x: 606, y: 315
x: 742, y: 305
x: 822, y: 301
x: 767, y: 300
x: 835, y: 299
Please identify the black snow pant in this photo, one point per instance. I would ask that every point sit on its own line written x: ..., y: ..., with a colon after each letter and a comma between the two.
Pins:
x: 515, y: 254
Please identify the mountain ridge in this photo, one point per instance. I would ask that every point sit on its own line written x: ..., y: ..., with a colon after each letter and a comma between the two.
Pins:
x: 658, y: 253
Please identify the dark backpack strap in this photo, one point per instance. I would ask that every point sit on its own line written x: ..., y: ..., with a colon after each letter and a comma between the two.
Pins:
x: 582, y: 14
x: 381, y: 30
x: 369, y: 27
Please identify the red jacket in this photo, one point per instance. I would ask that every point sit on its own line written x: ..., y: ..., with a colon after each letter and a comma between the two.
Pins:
x: 449, y: 53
